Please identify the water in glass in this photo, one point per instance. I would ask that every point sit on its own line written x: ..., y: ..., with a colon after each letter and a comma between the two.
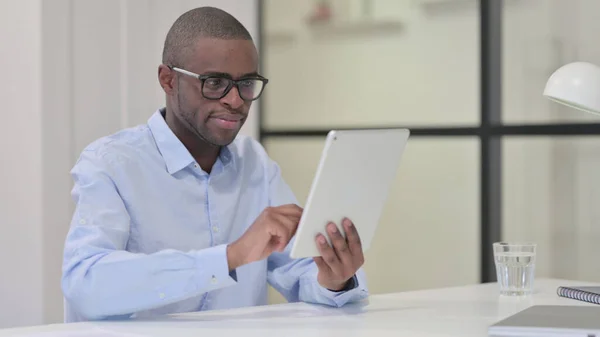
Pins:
x: 515, y: 268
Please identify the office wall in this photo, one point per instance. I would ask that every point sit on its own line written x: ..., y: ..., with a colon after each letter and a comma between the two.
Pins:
x: 77, y: 70
x: 21, y: 235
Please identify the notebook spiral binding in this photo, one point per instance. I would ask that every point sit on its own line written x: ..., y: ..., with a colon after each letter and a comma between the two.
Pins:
x: 579, y: 295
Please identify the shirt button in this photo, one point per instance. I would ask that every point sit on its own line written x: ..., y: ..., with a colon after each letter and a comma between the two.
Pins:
x: 214, y: 280
x: 82, y: 221
x: 161, y: 295
x: 215, y: 229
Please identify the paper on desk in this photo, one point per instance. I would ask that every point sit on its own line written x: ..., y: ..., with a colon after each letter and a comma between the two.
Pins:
x: 89, y: 332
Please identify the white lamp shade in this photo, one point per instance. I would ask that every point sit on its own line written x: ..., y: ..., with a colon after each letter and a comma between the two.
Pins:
x: 576, y: 85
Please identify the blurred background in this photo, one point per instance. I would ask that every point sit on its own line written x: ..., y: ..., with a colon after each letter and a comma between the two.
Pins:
x: 489, y: 158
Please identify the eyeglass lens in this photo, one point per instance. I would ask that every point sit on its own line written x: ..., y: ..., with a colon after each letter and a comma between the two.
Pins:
x: 215, y: 87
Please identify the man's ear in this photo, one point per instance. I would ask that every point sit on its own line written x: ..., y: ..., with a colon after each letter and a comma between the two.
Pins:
x: 166, y: 78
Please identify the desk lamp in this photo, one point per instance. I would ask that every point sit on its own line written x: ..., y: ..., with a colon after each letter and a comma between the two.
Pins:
x: 576, y: 85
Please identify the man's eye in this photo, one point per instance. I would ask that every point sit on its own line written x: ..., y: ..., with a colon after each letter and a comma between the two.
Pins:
x: 214, y: 82
x: 247, y: 83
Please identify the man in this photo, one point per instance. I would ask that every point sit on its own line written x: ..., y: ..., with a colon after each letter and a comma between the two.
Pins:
x: 182, y: 214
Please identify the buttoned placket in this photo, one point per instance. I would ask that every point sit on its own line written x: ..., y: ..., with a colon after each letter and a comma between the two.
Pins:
x: 211, y: 216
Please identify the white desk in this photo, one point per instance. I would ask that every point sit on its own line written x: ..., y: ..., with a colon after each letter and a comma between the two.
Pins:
x: 460, y: 311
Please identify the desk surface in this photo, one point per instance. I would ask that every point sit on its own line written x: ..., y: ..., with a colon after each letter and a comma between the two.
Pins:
x: 458, y: 311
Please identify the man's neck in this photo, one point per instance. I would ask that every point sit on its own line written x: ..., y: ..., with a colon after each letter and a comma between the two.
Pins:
x: 205, y: 158
x: 205, y: 154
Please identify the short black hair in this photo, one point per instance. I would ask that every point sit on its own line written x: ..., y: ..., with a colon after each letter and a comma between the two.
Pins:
x: 200, y: 22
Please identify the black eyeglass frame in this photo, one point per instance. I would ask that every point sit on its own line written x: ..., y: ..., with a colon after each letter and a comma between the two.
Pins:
x: 232, y: 83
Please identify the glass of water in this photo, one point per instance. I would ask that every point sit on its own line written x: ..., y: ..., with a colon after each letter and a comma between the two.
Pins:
x: 515, y: 267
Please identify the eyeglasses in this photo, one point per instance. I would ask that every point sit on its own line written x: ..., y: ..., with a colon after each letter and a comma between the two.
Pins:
x: 218, y: 86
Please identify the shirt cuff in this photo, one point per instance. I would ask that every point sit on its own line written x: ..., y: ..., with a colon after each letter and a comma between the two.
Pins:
x: 340, y: 298
x: 213, y: 269
x: 311, y: 291
x: 350, y: 284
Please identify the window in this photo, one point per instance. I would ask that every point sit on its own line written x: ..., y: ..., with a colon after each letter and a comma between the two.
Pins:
x: 489, y: 158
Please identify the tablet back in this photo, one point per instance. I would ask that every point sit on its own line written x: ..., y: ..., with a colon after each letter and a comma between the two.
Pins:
x: 355, y: 173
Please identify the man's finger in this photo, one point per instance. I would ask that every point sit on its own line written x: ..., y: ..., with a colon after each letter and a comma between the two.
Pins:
x: 289, y: 209
x: 290, y: 222
x: 352, y: 237
x: 280, y: 227
x: 328, y: 255
x: 339, y: 244
x: 323, y: 267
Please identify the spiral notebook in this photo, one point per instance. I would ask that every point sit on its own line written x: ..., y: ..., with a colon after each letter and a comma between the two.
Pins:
x: 586, y: 294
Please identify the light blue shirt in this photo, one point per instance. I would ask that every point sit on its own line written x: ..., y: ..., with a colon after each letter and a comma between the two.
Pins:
x: 150, y: 230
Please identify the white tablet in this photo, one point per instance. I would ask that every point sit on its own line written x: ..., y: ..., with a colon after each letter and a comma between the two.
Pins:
x: 353, y: 179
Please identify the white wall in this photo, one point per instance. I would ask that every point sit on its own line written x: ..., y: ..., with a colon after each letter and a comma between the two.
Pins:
x: 74, y: 70
x: 57, y: 148
x: 21, y: 203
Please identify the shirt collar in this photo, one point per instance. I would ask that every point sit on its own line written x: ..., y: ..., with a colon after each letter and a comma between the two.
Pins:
x: 175, y: 154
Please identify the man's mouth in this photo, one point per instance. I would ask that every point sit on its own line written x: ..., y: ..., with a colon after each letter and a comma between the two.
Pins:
x: 228, y: 122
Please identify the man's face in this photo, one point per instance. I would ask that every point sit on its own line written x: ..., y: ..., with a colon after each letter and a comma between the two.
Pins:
x: 216, y: 121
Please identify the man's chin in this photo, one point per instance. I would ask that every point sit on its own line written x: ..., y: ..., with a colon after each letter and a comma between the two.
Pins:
x: 225, y: 139
x: 220, y: 136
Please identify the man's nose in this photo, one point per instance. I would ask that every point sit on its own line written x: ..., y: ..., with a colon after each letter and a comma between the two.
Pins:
x: 233, y: 99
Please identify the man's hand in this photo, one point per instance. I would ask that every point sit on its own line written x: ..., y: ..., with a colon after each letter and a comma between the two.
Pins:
x: 270, y: 232
x: 338, y: 264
